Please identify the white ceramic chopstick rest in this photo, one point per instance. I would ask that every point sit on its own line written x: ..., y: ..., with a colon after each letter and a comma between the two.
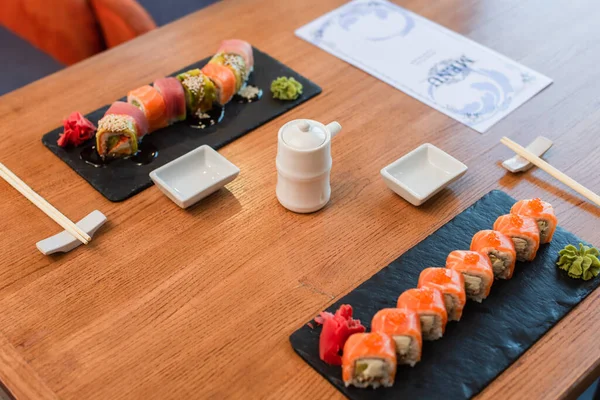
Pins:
x: 64, y: 241
x: 538, y: 147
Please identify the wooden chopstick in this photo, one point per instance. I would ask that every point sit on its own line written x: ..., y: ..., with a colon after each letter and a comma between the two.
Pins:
x: 532, y: 158
x: 43, y: 205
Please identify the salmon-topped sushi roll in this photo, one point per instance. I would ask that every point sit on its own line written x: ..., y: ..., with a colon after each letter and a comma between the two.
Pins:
x: 148, y: 99
x: 223, y: 79
x: 524, y: 233
x: 404, y: 327
x: 369, y: 359
x: 236, y: 64
x: 452, y: 285
x: 476, y: 268
x: 429, y: 305
x: 499, y: 248
x: 542, y: 212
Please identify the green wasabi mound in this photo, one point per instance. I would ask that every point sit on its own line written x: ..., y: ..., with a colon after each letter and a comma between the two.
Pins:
x: 284, y: 88
x: 579, y: 263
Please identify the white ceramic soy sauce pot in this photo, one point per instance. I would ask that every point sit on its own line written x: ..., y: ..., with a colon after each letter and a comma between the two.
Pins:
x: 304, y: 164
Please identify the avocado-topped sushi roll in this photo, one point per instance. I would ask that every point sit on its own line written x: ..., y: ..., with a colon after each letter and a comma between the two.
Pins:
x: 236, y: 64
x: 499, y: 248
x: 119, y: 131
x: 369, y: 359
x: 452, y: 285
x: 542, y: 212
x: 404, y: 327
x: 523, y: 231
x: 200, y: 92
x: 477, y: 271
x: 429, y: 305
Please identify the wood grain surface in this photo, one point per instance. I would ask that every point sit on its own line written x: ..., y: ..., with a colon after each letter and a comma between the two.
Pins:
x: 167, y: 303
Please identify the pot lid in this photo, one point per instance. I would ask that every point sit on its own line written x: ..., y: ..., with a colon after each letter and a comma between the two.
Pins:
x: 304, y: 135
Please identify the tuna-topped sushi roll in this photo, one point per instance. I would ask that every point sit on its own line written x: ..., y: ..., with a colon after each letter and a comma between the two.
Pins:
x: 404, y: 327
x: 524, y: 233
x: 200, y: 92
x: 150, y: 101
x: 236, y: 64
x: 477, y: 271
x: 429, y: 305
x: 369, y: 359
x: 241, y: 48
x: 452, y: 285
x: 120, y: 129
x: 542, y: 212
x: 223, y: 80
x: 174, y: 96
x: 499, y: 248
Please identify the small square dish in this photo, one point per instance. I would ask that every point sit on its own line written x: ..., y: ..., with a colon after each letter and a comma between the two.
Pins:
x: 193, y: 176
x: 422, y: 173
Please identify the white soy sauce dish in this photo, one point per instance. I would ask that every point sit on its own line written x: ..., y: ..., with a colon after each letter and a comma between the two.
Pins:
x: 304, y: 164
x: 422, y: 173
x: 193, y: 176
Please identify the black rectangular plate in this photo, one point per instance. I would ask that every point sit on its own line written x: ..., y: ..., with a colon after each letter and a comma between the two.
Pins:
x: 489, y: 337
x: 122, y: 179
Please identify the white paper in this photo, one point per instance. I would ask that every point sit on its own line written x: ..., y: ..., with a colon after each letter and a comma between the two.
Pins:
x: 453, y: 74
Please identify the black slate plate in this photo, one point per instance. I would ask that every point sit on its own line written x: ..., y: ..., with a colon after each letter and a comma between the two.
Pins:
x: 122, y: 179
x: 490, y: 335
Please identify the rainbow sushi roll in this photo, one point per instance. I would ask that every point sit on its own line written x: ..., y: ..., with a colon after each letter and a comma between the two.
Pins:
x: 369, y: 359
x: 224, y: 81
x: 542, y: 212
x: 499, y: 248
x: 172, y: 92
x: 200, y: 92
x: 119, y: 131
x: 429, y: 305
x: 241, y: 48
x: 404, y: 327
x: 523, y: 231
x: 236, y: 64
x: 477, y: 271
x: 452, y: 285
x: 148, y: 99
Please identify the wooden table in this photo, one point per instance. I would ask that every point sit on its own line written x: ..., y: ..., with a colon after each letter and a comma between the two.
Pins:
x: 167, y: 303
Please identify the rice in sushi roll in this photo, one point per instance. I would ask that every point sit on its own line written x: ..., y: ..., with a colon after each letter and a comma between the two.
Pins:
x: 404, y: 327
x: 429, y: 305
x: 524, y: 233
x: 369, y: 359
x: 499, y: 248
x: 452, y: 285
x: 477, y: 271
x: 542, y: 212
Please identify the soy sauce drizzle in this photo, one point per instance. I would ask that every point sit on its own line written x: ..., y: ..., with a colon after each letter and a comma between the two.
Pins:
x: 147, y: 152
x: 208, y: 118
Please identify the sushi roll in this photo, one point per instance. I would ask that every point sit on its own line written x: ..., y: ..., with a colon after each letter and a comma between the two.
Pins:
x: 119, y: 131
x: 499, y: 248
x: 200, y: 92
x: 429, y: 305
x: 236, y: 64
x: 404, y: 327
x: 452, y: 285
x: 542, y: 212
x: 369, y: 359
x: 152, y: 104
x: 172, y: 93
x: 223, y: 80
x: 523, y: 231
x: 476, y: 268
x: 241, y: 48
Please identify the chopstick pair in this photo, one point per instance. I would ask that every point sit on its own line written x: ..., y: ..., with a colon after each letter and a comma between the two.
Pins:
x: 43, y: 205
x: 543, y: 165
